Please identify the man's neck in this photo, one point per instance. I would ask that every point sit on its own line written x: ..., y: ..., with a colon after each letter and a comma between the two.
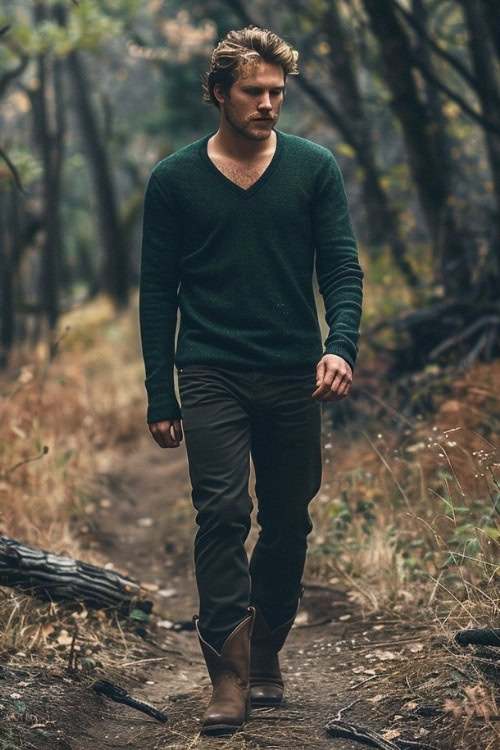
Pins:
x: 235, y: 146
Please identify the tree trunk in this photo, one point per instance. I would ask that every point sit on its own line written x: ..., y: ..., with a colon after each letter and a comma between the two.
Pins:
x: 482, y: 53
x: 382, y: 220
x: 492, y: 15
x: 6, y: 282
x: 48, y: 121
x: 116, y: 261
x: 433, y: 185
x: 488, y: 89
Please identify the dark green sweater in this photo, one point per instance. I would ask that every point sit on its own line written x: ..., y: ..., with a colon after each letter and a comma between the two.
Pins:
x: 239, y: 264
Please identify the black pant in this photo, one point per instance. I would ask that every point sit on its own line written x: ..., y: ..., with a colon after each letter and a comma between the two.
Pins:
x: 228, y: 416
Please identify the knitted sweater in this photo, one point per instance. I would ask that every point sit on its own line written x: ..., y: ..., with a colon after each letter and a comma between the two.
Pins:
x: 238, y: 264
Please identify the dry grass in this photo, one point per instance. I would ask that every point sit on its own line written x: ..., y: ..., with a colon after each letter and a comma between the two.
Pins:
x: 60, y: 416
x: 409, y: 519
x: 418, y: 504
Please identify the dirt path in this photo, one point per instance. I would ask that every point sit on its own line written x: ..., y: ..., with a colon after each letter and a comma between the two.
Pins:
x: 147, y: 529
x: 144, y: 524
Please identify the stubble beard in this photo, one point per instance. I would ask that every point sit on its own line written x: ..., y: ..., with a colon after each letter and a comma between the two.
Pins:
x: 244, y: 129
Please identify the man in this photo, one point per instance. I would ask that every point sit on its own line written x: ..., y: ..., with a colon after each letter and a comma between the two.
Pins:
x: 234, y: 225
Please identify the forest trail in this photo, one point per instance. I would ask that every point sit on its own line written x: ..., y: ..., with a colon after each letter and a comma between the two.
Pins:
x: 332, y: 657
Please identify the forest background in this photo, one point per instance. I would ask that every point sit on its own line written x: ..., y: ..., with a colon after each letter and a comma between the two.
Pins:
x: 406, y: 94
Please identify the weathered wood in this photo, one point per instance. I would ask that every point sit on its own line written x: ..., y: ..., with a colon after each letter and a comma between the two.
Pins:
x: 54, y: 577
x: 481, y: 637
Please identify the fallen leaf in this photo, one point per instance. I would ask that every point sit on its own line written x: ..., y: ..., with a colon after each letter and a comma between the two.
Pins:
x: 411, y: 705
x: 138, y: 615
x: 150, y: 586
x: 64, y: 639
x: 391, y: 734
x: 25, y: 375
x: 416, y: 647
x: 450, y: 706
x: 376, y: 698
x: 167, y: 593
x: 385, y: 655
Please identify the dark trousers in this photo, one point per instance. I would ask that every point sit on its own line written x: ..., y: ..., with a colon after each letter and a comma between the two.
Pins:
x: 228, y: 416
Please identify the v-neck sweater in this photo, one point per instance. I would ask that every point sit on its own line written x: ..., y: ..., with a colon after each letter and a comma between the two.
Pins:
x: 238, y: 265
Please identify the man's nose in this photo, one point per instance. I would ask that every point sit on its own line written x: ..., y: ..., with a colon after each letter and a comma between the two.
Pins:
x: 265, y: 102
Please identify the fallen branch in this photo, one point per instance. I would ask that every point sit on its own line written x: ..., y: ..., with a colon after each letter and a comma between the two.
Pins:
x: 486, y: 320
x: 54, y: 577
x: 119, y: 695
x: 481, y: 637
x: 336, y: 728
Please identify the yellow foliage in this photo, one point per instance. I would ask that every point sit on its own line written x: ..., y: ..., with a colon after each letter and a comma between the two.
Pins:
x: 450, y: 110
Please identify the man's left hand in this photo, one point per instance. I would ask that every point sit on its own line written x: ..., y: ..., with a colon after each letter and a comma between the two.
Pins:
x: 333, y: 378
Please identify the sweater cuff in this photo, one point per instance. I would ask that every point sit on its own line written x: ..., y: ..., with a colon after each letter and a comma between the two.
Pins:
x: 162, y: 412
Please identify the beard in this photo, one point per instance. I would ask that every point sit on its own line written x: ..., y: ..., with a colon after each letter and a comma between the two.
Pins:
x: 246, y: 128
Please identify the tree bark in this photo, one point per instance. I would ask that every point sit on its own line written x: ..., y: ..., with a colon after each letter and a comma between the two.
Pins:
x: 116, y: 261
x: 492, y: 15
x: 482, y: 53
x: 6, y: 283
x: 382, y: 219
x: 48, y: 121
x: 433, y: 185
x: 488, y: 89
x: 54, y: 577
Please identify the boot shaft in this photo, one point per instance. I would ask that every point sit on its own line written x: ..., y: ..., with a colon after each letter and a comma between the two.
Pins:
x: 234, y: 656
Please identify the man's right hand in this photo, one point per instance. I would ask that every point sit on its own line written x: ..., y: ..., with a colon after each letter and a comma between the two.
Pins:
x: 168, y: 434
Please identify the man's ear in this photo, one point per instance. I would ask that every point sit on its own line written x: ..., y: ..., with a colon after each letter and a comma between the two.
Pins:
x: 219, y: 93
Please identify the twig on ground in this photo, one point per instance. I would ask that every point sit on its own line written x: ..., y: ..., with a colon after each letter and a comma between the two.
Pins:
x: 118, y: 694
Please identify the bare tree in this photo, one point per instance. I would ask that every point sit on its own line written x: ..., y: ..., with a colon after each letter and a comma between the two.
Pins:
x: 116, y: 257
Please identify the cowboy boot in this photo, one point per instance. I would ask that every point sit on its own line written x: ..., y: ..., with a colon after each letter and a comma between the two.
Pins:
x: 266, y: 682
x: 229, y: 705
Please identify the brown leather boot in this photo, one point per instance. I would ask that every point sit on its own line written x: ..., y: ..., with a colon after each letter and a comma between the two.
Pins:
x: 229, y: 673
x: 266, y: 682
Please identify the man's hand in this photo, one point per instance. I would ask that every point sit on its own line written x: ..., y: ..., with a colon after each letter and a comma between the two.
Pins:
x: 333, y: 378
x: 168, y: 434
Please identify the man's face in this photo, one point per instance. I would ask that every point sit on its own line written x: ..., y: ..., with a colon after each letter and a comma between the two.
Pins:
x: 253, y: 104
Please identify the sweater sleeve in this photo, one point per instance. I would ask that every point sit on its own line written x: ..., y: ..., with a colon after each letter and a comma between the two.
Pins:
x: 339, y: 274
x: 159, y: 281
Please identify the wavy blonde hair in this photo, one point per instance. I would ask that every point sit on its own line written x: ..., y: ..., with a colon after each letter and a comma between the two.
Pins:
x: 244, y: 47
